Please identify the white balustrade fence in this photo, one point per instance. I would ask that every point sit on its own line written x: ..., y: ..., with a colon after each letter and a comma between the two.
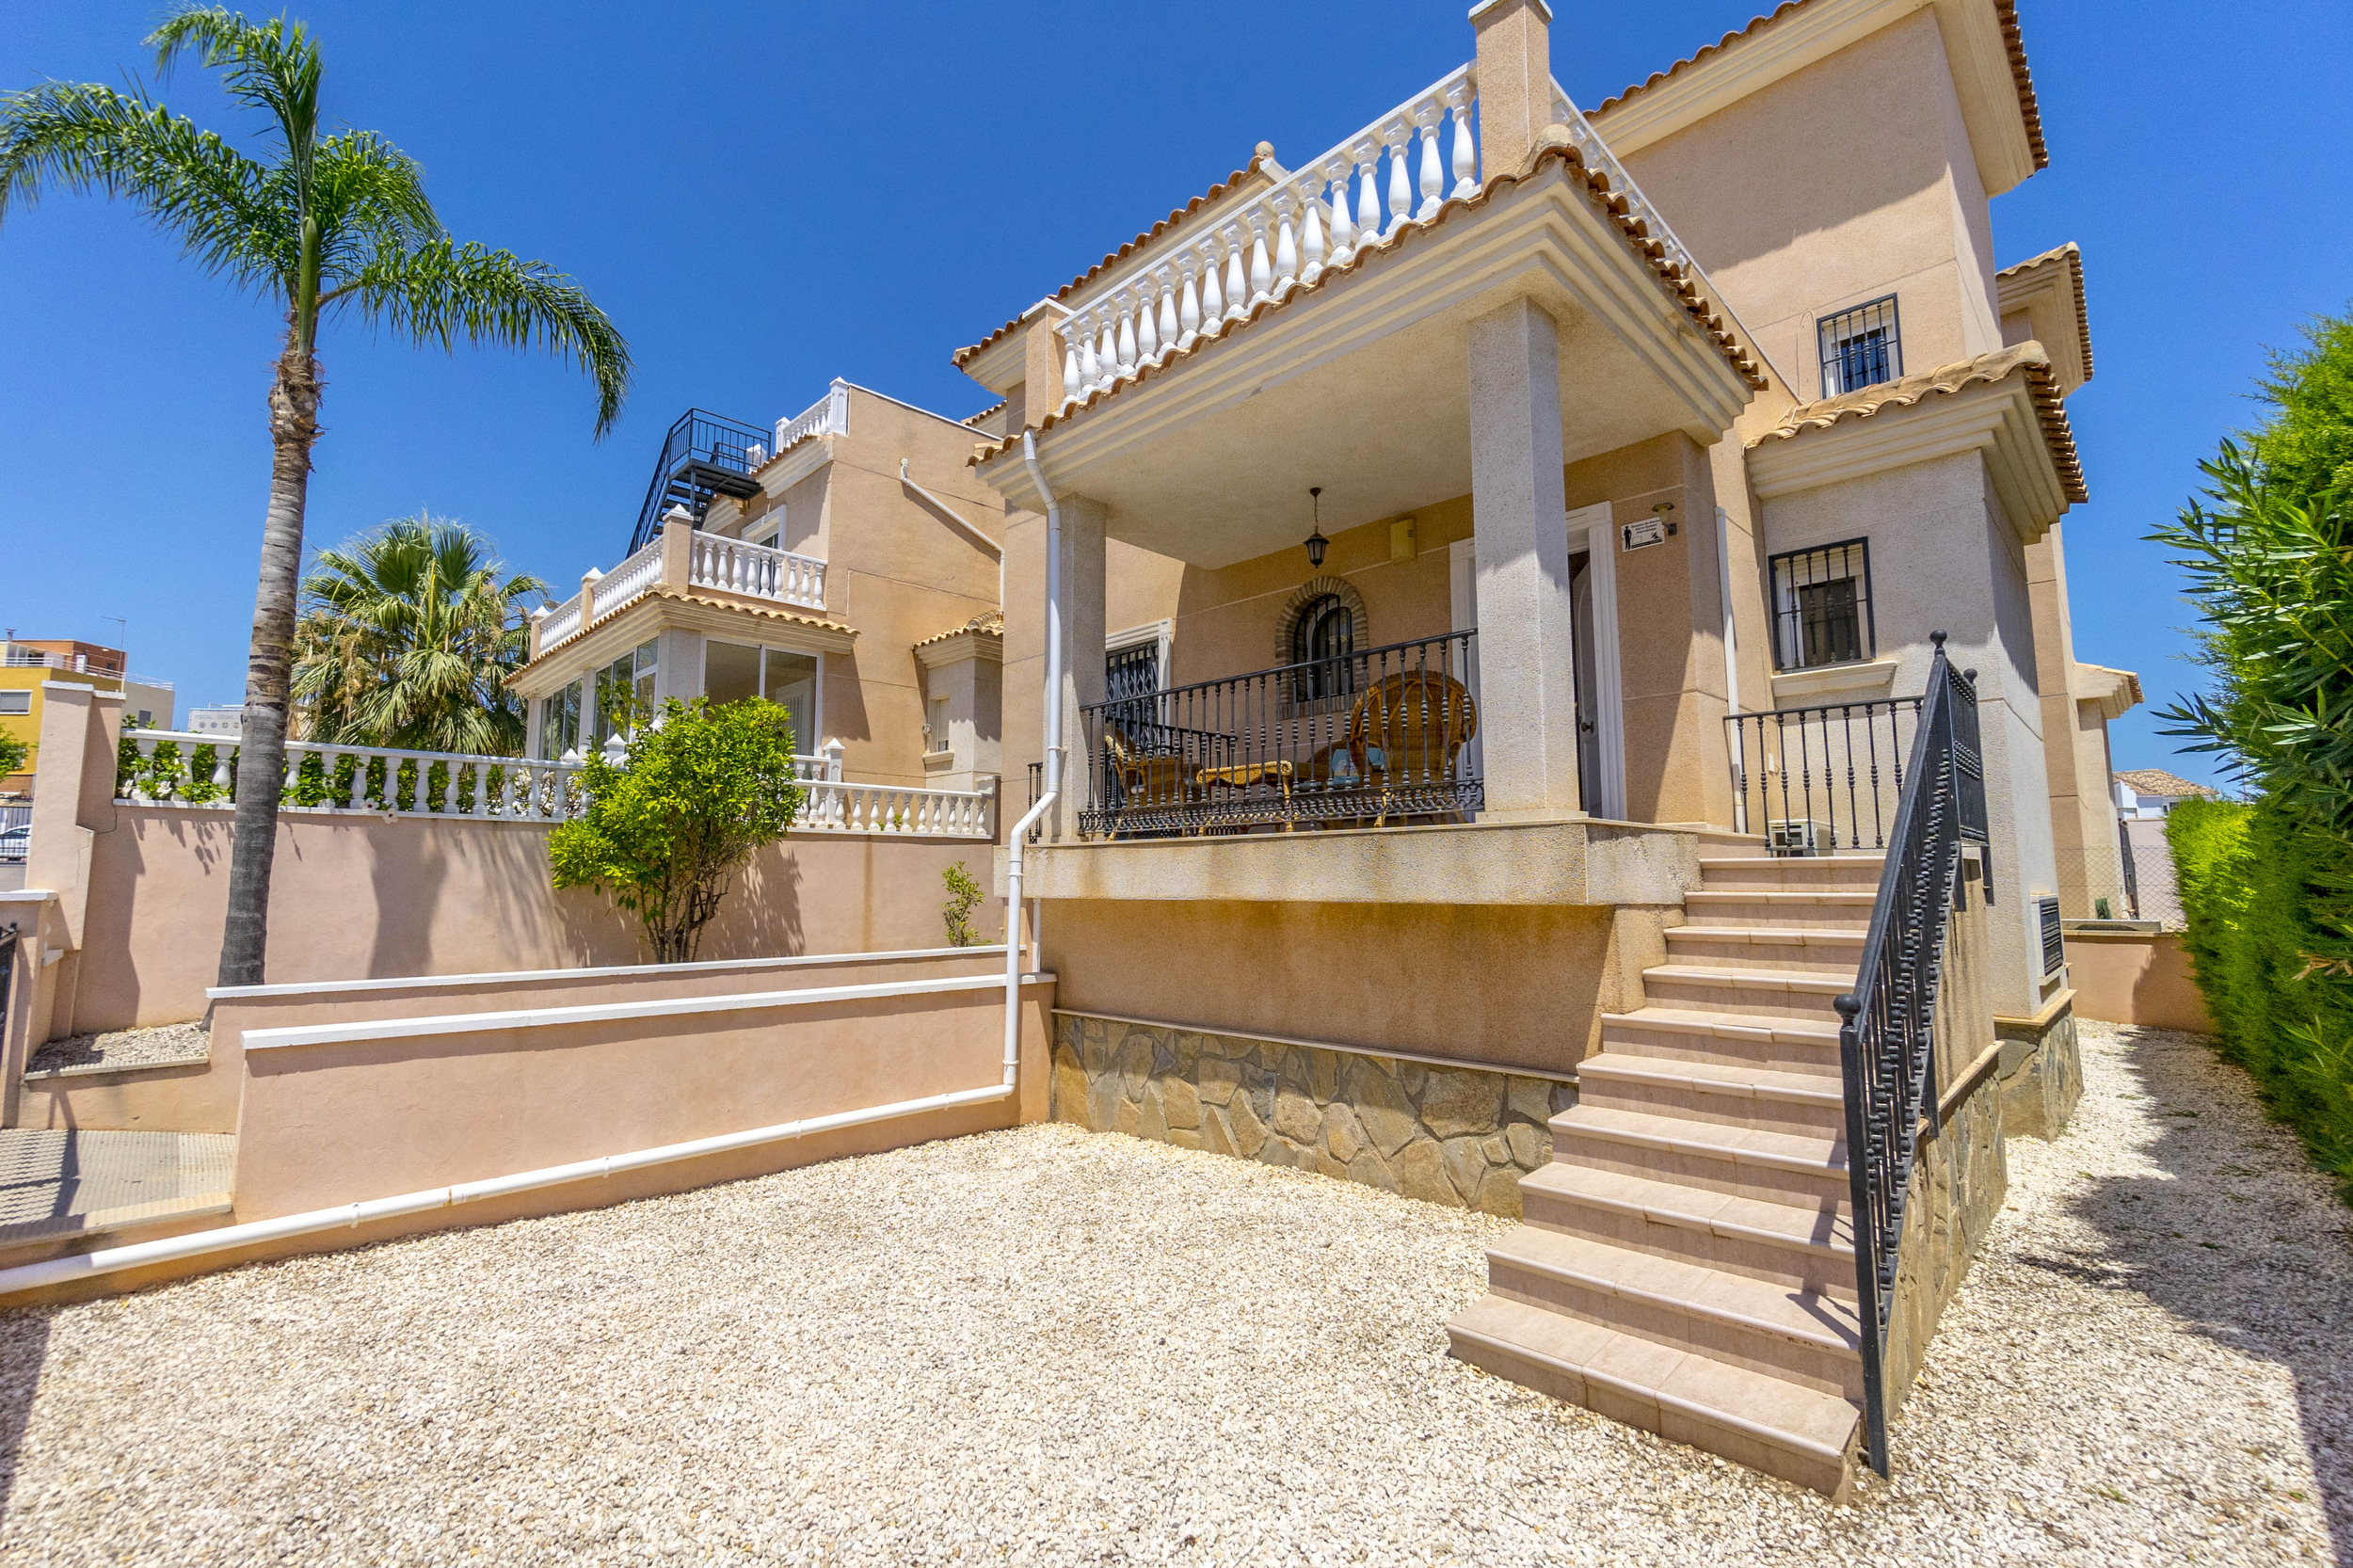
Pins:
x: 757, y: 571
x: 627, y: 583
x: 1319, y: 216
x: 834, y: 807
x: 562, y: 624
x: 378, y: 780
x: 829, y: 416
x: 1597, y: 156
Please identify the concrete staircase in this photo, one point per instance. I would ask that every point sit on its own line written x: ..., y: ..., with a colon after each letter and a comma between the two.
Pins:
x: 1686, y: 1263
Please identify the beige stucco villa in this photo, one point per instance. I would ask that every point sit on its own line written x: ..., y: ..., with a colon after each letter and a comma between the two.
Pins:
x: 846, y: 565
x: 1469, y: 600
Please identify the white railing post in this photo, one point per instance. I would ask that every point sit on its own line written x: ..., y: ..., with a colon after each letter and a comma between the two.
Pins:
x: 1427, y: 118
x: 1459, y: 99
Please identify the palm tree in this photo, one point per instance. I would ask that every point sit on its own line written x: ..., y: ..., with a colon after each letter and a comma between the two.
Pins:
x: 407, y: 639
x: 331, y: 226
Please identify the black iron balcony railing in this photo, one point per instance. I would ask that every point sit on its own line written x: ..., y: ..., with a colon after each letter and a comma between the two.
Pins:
x: 1370, y: 738
x: 704, y: 455
x: 1887, y: 1038
x: 1815, y: 780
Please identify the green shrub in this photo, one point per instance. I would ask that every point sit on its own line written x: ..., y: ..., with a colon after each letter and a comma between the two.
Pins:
x: 666, y: 831
x: 2260, y: 892
x: 964, y: 896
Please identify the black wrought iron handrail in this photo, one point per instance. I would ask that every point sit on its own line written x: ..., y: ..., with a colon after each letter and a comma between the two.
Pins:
x: 1813, y: 781
x: 698, y: 441
x: 1372, y: 736
x: 1887, y: 1034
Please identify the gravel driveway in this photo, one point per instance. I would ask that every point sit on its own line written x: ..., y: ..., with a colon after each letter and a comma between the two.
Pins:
x: 1045, y: 1347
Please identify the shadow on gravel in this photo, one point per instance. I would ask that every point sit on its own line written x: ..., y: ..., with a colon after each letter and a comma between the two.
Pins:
x: 2246, y: 1243
x: 24, y: 1346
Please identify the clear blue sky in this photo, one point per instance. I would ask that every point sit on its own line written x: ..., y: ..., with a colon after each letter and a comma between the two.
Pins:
x: 765, y: 196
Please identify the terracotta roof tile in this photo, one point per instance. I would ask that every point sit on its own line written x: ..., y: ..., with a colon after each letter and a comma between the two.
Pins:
x: 1263, y: 155
x: 988, y: 623
x: 2006, y: 12
x: 1597, y: 190
x: 2074, y: 258
x: 974, y: 420
x: 2027, y: 358
x: 2157, y: 781
x: 658, y: 591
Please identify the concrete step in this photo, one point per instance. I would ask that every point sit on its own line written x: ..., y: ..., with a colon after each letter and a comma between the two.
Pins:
x: 1735, y: 1039
x: 1753, y: 1097
x: 63, y: 1191
x: 1803, y: 1336
x: 1783, y: 1244
x: 1776, y: 993
x: 1816, y: 873
x: 1791, y: 948
x: 1746, y: 1162
x: 1753, y: 1418
x: 1847, y: 910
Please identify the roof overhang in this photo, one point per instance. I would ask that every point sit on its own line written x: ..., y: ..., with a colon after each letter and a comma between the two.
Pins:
x: 2004, y: 406
x: 1359, y: 382
x: 666, y: 609
x: 1981, y: 43
x: 2115, y: 692
x: 2049, y: 292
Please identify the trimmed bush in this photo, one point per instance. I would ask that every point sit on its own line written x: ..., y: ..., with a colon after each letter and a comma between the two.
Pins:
x: 2260, y: 892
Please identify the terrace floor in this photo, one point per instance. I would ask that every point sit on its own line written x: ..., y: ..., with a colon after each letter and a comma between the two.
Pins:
x: 1046, y: 1347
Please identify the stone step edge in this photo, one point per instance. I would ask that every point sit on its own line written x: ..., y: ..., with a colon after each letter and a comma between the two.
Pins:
x: 1706, y: 1415
x: 1683, y: 1221
x: 1796, y: 896
x: 1726, y: 1026
x: 103, y: 1223
x: 1755, y: 979
x: 1602, y: 1067
x: 1827, y: 1340
x: 1768, y: 935
x: 1562, y: 1127
x: 1876, y: 857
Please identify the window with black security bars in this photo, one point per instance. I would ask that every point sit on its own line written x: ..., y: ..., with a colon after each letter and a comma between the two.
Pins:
x: 1860, y: 347
x: 1822, y: 606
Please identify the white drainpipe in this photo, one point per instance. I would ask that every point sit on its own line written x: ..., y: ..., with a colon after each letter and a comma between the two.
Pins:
x: 1019, y: 837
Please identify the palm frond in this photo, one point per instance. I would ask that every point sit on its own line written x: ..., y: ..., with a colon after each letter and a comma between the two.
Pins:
x: 273, y: 66
x: 79, y: 136
x: 442, y: 292
x: 368, y: 197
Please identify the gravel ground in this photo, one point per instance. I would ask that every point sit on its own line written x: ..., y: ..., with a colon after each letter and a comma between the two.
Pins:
x: 1043, y: 1347
x: 125, y: 1048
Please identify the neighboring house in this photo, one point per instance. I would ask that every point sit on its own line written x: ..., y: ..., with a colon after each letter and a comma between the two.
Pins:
x: 1476, y: 550
x: 26, y: 666
x: 151, y: 703
x: 228, y: 719
x: 846, y: 565
x: 2154, y: 793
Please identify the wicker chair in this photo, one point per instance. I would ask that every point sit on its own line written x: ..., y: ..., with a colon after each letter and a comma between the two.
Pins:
x: 1406, y: 732
x: 1149, y: 780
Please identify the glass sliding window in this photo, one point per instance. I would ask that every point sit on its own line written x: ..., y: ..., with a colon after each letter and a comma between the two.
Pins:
x: 1822, y: 606
x: 642, y: 663
x: 792, y: 683
x: 730, y: 671
x: 559, y: 723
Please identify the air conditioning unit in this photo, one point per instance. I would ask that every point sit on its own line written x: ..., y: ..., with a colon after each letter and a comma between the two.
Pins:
x: 1796, y: 836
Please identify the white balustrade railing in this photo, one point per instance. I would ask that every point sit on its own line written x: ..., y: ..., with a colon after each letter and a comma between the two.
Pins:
x: 830, y: 805
x: 757, y: 570
x: 561, y: 625
x: 829, y: 416
x: 170, y: 769
x: 1318, y: 216
x: 627, y: 583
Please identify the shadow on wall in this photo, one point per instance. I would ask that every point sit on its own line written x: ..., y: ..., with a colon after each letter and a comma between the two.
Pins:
x: 2280, y: 1276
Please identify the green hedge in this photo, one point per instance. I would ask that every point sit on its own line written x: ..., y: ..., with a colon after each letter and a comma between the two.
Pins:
x: 2276, y: 978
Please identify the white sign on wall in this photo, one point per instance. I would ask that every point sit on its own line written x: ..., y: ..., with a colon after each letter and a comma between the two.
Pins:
x: 1642, y: 534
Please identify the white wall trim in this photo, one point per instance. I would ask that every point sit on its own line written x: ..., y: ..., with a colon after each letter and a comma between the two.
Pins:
x: 549, y: 1017
x: 1595, y: 527
x: 613, y: 971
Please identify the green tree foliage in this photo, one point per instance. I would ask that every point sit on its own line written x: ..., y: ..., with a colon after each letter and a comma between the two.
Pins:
x: 964, y: 896
x: 2307, y: 445
x: 406, y: 638
x: 666, y: 832
x: 2267, y: 551
x: 2257, y: 889
x: 13, y: 753
x: 324, y: 227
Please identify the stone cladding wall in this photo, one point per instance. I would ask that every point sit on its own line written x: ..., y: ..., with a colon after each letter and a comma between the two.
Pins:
x: 2041, y: 1076
x: 1957, y: 1187
x: 1454, y: 1135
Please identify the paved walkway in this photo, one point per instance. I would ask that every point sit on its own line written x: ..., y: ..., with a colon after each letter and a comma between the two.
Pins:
x: 1043, y: 1347
x: 57, y: 1183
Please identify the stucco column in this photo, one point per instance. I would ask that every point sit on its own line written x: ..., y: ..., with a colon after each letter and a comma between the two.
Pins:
x: 1514, y: 80
x: 1082, y: 573
x: 1519, y: 511
x: 678, y: 547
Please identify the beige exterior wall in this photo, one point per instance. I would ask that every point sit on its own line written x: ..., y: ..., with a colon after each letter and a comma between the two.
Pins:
x: 2137, y: 978
x: 2075, y: 734
x: 1848, y: 180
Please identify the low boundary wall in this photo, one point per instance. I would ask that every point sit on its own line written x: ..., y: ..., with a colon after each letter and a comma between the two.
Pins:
x: 2136, y: 977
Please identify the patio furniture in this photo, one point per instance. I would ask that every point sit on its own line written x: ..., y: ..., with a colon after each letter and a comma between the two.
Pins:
x: 1149, y: 779
x: 1407, y: 731
x: 1243, y: 776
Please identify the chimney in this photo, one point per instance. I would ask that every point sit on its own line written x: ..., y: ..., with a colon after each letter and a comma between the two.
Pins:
x: 1514, y: 80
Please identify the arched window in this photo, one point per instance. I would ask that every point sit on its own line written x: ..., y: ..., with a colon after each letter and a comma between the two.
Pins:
x: 1322, y: 638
